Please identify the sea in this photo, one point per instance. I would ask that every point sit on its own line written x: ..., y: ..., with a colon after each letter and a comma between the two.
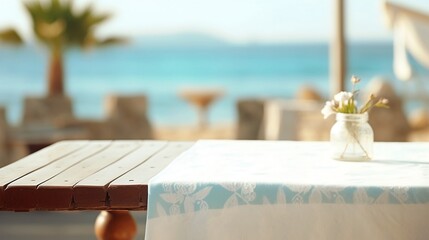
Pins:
x: 160, y: 72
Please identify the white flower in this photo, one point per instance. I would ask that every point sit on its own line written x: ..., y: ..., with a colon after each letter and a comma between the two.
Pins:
x: 328, y: 109
x: 355, y: 79
x: 343, y: 97
x: 345, y: 102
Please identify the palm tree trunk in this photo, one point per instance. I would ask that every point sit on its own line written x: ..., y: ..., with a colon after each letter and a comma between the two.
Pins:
x: 56, y: 74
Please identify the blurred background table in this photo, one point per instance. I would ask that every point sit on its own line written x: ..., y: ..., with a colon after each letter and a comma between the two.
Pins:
x: 201, y: 98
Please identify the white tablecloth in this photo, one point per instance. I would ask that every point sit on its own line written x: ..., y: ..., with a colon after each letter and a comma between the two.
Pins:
x: 290, y: 190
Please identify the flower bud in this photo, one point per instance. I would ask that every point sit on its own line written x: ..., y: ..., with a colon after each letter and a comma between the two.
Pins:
x: 355, y: 79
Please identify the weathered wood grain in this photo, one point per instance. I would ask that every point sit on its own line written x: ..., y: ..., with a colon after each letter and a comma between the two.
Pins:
x: 130, y: 190
x: 91, y: 192
x: 90, y: 175
x: 35, y: 161
x: 21, y: 194
x: 57, y: 192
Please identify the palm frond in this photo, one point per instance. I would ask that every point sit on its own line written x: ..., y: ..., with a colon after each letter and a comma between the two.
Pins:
x: 10, y: 36
x: 111, y: 41
x: 78, y: 27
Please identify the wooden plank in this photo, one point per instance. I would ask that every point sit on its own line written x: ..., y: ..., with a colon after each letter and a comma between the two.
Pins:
x: 91, y: 192
x: 130, y: 190
x: 21, y: 194
x: 57, y: 193
x: 35, y: 161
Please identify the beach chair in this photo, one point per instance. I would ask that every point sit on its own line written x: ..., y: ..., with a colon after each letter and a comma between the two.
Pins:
x: 127, y: 117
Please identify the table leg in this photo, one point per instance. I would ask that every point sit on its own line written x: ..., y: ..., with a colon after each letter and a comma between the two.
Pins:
x: 202, y: 117
x: 115, y: 225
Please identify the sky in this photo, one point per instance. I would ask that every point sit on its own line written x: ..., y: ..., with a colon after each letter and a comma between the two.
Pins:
x: 239, y: 21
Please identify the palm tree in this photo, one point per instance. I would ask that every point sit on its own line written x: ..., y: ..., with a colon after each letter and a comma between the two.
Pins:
x: 58, y: 26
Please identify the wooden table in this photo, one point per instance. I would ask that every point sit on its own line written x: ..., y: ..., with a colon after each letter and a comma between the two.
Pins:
x: 88, y: 175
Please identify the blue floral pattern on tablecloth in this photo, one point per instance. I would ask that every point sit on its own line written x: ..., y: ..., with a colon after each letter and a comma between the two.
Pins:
x: 174, y: 191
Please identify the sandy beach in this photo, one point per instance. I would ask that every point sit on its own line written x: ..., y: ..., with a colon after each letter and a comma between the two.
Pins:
x: 192, y: 133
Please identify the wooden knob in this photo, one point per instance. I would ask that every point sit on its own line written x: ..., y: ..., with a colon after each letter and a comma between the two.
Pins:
x: 115, y: 225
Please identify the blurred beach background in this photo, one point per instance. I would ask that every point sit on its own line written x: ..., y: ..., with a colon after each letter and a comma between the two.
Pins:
x: 160, y: 66
x: 159, y: 72
x: 250, y: 49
